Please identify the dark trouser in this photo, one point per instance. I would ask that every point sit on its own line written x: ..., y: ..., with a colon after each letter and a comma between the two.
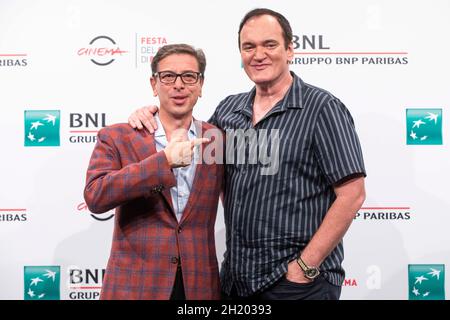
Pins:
x: 178, y: 287
x: 283, y: 289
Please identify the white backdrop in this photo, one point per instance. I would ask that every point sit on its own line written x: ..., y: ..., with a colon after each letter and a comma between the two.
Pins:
x: 44, y: 66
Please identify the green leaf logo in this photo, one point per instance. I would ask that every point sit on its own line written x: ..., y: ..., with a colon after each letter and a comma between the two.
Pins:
x: 426, y: 281
x: 42, y: 128
x: 41, y: 282
x: 424, y: 126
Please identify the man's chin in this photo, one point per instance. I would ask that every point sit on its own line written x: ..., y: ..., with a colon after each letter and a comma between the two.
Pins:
x: 261, y: 78
x: 262, y: 81
x: 180, y: 111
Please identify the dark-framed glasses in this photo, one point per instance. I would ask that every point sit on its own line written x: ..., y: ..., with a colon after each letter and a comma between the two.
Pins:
x: 188, y: 77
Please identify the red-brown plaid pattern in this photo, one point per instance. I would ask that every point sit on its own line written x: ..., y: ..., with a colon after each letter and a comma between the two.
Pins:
x: 127, y: 173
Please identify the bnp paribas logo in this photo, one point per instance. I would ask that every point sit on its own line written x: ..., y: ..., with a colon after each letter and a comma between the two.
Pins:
x: 426, y: 281
x: 423, y: 126
x: 42, y: 128
x: 41, y: 282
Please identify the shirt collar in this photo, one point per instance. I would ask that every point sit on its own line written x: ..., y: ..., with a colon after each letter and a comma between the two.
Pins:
x: 161, y: 133
x: 292, y: 100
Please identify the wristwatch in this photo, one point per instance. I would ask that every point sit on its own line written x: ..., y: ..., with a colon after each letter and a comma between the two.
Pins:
x: 310, y: 272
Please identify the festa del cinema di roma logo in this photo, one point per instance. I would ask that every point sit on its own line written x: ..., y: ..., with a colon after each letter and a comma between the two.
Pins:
x: 41, y: 282
x: 102, y: 51
x: 424, y: 126
x: 42, y: 128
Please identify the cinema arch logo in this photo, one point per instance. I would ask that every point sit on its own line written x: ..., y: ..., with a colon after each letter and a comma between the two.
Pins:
x: 102, y: 51
x: 82, y: 207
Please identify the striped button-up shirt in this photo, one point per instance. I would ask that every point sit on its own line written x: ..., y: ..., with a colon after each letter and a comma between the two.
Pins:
x: 273, y: 208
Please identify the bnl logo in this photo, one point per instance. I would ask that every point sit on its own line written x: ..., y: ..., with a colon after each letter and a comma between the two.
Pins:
x: 426, y: 281
x: 424, y: 126
x: 41, y: 282
x: 42, y: 128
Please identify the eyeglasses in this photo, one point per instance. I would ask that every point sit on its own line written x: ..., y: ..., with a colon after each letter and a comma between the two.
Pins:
x: 188, y: 77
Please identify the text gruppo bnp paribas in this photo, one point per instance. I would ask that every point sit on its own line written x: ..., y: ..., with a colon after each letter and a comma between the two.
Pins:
x: 314, y: 50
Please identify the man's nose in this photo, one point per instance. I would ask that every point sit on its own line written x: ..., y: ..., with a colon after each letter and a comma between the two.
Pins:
x: 179, y: 84
x: 260, y: 53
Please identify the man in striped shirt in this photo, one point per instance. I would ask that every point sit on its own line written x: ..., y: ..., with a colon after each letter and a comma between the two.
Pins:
x: 285, y: 218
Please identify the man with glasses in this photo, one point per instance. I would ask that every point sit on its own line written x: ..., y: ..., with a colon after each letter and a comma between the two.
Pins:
x: 284, y: 231
x: 165, y: 194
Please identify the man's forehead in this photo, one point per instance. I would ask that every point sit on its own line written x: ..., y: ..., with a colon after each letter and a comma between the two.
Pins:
x: 262, y: 37
x: 261, y: 21
x: 179, y: 60
x: 179, y: 57
x: 264, y: 18
x: 265, y: 26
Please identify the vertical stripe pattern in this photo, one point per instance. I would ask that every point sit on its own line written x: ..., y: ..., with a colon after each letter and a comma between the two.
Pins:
x: 270, y: 218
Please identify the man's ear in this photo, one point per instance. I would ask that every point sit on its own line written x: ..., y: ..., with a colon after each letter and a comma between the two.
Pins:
x: 201, y: 86
x: 153, y: 83
x: 290, y: 52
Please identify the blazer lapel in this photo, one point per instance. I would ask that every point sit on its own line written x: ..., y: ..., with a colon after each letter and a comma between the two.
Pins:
x: 144, y: 145
x: 201, y: 170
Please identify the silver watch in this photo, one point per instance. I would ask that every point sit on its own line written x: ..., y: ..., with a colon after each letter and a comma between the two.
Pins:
x: 310, y: 272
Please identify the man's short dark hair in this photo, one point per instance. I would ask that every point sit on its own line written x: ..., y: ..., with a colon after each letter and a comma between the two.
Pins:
x: 179, y: 48
x: 284, y: 23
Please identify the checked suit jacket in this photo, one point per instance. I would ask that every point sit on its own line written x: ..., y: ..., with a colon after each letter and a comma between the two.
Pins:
x: 127, y: 173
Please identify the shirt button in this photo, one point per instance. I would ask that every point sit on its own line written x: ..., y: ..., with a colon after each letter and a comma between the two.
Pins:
x: 174, y: 260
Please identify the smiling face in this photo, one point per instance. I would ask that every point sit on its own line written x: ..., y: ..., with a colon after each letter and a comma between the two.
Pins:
x: 177, y: 99
x: 263, y: 52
